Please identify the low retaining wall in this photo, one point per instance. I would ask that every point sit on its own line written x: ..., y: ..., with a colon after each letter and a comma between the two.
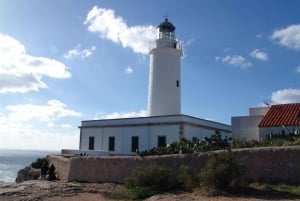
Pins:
x: 270, y: 165
x: 62, y: 166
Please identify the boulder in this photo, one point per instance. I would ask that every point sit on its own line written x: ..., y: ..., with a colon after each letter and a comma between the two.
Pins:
x: 27, y: 173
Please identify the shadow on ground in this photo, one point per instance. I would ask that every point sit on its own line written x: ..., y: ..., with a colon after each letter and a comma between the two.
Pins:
x: 265, y: 193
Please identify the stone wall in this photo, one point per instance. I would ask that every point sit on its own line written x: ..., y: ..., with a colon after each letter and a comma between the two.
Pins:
x: 271, y: 165
x: 62, y: 166
x: 117, y: 168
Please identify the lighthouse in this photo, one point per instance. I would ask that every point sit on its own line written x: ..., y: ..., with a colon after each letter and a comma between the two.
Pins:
x: 164, y: 93
x: 165, y: 123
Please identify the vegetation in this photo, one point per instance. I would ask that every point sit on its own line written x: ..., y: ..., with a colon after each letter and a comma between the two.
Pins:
x: 216, y: 142
x: 145, y: 182
x: 187, y: 180
x: 268, y: 141
x: 221, y: 173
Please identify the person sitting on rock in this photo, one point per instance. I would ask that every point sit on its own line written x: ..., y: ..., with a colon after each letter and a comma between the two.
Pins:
x: 51, y: 173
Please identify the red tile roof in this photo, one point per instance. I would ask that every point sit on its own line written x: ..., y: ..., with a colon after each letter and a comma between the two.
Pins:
x: 282, y: 115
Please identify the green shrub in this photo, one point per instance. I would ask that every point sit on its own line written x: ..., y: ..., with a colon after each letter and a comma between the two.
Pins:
x: 145, y: 182
x: 214, y: 142
x: 238, y: 143
x: 140, y: 192
x: 187, y: 180
x: 270, y: 140
x: 39, y: 162
x: 221, y: 172
x: 295, y: 142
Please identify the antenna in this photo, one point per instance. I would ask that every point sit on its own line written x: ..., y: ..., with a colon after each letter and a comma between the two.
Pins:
x: 166, y: 16
x: 267, y: 103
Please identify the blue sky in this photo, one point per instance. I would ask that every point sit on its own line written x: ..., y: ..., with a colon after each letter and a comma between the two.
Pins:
x: 66, y: 61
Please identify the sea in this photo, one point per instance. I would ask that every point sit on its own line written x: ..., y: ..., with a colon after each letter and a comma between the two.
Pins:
x: 11, y: 161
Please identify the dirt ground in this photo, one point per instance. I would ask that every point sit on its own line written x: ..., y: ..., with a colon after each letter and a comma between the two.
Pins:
x: 59, y: 191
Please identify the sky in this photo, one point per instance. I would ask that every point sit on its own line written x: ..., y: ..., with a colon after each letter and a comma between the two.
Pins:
x: 62, y: 62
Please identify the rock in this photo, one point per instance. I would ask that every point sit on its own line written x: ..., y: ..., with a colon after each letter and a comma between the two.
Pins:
x: 27, y: 173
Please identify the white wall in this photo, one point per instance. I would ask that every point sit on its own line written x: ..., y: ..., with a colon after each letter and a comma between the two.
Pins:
x: 170, y: 131
x: 258, y: 111
x: 147, y: 129
x: 90, y: 132
x: 148, y: 136
x: 246, y: 127
x: 277, y: 130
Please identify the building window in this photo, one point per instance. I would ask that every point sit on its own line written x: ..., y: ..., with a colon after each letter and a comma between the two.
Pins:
x: 161, y: 141
x: 91, y: 143
x: 194, y: 139
x: 177, y: 83
x: 111, y: 143
x: 134, y: 143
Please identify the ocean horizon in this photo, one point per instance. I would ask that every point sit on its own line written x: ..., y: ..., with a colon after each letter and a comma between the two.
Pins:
x: 12, y: 160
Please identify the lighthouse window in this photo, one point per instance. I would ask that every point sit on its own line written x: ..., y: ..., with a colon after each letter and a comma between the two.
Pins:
x: 177, y: 83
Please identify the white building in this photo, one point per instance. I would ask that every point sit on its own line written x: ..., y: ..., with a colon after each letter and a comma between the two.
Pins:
x: 165, y: 123
x: 246, y: 127
x: 262, y: 121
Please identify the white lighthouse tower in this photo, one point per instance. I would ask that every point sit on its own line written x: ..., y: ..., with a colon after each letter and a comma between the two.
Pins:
x: 164, y: 96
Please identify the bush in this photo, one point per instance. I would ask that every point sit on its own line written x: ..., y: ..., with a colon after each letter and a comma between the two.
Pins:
x: 145, y: 182
x: 269, y: 141
x: 187, y: 180
x: 221, y: 172
x: 214, y: 142
x: 238, y: 143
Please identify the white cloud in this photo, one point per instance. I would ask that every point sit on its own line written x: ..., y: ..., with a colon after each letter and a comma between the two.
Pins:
x: 128, y: 70
x: 52, y: 111
x: 235, y: 60
x: 288, y: 37
x: 118, y: 115
x: 65, y: 125
x: 21, y: 72
x: 298, y: 69
x: 259, y: 54
x: 18, y: 82
x: 20, y: 131
x: 24, y: 135
x: 285, y: 96
x: 115, y: 28
x: 79, y: 52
